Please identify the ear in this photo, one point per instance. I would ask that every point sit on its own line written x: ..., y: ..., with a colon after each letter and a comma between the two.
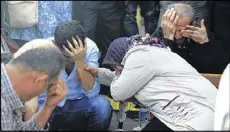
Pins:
x: 40, y: 79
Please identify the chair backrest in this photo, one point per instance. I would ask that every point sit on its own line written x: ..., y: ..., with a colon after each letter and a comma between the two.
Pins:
x: 213, y: 78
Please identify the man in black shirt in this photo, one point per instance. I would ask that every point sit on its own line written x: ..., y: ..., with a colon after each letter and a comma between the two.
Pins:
x: 190, y: 39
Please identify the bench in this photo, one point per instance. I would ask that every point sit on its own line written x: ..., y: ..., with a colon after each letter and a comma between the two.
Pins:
x: 213, y: 78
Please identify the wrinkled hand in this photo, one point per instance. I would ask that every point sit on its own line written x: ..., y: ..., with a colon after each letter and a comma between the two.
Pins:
x: 197, y: 34
x: 56, y: 93
x: 92, y: 70
x: 77, y: 53
x: 168, y: 23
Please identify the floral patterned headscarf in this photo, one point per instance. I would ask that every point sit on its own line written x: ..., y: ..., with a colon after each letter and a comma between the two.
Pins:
x: 120, y: 46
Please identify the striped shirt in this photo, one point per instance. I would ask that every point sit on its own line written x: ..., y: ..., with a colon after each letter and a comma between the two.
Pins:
x: 12, y: 108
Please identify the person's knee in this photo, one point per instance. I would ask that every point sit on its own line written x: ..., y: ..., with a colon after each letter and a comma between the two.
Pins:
x: 102, y: 107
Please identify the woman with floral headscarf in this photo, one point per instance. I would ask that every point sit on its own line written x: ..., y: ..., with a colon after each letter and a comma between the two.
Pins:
x: 177, y: 95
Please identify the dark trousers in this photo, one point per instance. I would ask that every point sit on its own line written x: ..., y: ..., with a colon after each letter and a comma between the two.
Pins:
x: 82, y: 114
x: 103, y: 25
x: 156, y: 125
x: 149, y: 11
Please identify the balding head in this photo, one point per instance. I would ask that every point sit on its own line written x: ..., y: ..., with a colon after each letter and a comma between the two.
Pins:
x: 39, y: 55
x: 35, y: 44
x: 182, y: 10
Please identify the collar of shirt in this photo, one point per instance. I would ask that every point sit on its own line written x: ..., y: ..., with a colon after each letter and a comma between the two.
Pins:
x: 9, y: 93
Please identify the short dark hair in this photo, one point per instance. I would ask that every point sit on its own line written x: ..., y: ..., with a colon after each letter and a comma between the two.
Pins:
x: 67, y: 30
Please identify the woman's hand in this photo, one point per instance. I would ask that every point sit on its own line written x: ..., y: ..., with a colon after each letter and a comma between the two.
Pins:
x: 92, y: 70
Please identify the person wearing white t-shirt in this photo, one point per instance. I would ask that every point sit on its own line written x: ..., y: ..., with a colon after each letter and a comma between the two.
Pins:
x: 222, y: 116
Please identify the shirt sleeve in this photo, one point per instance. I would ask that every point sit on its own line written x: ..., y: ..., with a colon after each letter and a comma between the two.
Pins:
x: 5, y: 118
x: 6, y: 122
x: 31, y: 125
x: 92, y: 60
x: 105, y: 76
x: 137, y: 72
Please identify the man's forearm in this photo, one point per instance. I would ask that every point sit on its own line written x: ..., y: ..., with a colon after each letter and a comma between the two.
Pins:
x: 86, y: 78
x: 43, y: 115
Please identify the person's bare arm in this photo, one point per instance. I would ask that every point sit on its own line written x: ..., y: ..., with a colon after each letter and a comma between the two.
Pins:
x: 38, y: 121
x: 31, y: 107
x: 54, y: 95
x: 78, y: 56
x: 87, y: 79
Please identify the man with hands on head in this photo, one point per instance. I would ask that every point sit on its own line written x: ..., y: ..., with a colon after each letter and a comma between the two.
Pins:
x: 83, y: 108
x: 189, y: 38
x: 34, y: 68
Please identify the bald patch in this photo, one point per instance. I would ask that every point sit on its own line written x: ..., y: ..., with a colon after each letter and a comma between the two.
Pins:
x: 35, y: 44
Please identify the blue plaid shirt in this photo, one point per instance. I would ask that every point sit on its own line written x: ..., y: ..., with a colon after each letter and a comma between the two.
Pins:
x: 12, y: 108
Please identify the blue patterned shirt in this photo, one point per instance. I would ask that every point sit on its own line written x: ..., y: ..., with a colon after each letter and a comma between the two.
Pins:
x: 50, y: 15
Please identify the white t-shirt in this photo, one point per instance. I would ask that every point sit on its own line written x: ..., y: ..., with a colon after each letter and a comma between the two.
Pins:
x: 170, y: 87
x: 221, y: 121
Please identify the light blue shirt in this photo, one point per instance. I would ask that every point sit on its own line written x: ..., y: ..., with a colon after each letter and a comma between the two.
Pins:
x: 75, y: 89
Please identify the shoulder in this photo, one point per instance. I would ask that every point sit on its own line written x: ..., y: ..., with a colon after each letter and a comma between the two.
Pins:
x: 90, y: 43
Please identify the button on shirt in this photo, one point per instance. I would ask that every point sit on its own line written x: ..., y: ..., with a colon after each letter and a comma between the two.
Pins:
x: 12, y: 108
x: 75, y: 89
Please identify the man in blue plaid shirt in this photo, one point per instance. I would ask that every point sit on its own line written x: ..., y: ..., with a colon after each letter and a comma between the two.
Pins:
x: 33, y: 69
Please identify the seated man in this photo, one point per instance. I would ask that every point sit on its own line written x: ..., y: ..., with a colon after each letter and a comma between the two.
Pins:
x: 83, y: 108
x: 190, y: 39
x: 27, y: 75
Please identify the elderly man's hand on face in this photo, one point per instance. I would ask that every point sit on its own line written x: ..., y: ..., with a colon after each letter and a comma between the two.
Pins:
x: 168, y: 23
x: 56, y: 93
x: 77, y: 53
x: 197, y: 34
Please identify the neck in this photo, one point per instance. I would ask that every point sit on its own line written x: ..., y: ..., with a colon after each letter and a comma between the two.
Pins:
x: 16, y: 78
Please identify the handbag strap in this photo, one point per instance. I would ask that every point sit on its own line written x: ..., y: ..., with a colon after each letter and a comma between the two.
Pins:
x: 4, y: 39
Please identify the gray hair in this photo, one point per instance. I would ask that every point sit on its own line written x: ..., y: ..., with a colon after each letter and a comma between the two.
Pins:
x: 182, y: 10
x: 41, y: 56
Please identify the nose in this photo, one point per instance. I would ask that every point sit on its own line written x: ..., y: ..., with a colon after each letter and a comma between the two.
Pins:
x: 178, y: 35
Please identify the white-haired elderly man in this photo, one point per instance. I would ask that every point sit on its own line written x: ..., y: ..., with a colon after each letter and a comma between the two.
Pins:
x: 190, y: 39
x: 34, y: 68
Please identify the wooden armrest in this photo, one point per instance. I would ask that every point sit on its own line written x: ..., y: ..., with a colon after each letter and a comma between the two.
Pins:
x: 213, y: 78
